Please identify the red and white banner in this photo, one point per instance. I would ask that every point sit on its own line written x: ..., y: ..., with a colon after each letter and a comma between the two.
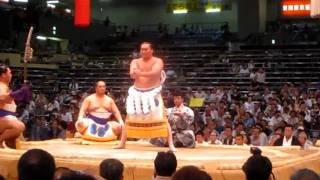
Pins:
x: 296, y: 7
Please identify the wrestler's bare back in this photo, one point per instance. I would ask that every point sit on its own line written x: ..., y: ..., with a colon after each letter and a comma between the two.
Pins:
x: 147, y: 81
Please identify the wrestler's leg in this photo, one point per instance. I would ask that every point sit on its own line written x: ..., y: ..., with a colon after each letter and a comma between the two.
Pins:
x: 10, y: 129
x: 170, y: 139
x: 123, y: 138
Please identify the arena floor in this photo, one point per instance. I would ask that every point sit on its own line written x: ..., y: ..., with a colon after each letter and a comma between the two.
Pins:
x: 222, y: 162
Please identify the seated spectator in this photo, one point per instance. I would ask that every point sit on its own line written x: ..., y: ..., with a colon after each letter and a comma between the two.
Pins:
x: 62, y: 130
x: 249, y: 120
x: 111, y: 169
x: 278, y: 132
x: 244, y: 70
x: 36, y: 164
x: 261, y: 76
x: 54, y: 130
x: 240, y: 140
x: 253, y: 77
x: 276, y: 119
x: 256, y: 139
x: 165, y: 165
x: 200, y: 93
x: 305, y: 174
x: 226, y: 136
x: 76, y: 175
x: 200, y: 138
x: 40, y: 131
x: 214, y: 138
x: 303, y: 140
x: 60, y: 171
x: 288, y: 139
x: 239, y: 128
x: 257, y: 167
x: 171, y: 73
x: 191, y: 173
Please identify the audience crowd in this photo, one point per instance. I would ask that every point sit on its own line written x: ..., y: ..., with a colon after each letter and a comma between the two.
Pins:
x: 37, y: 164
x: 259, y: 118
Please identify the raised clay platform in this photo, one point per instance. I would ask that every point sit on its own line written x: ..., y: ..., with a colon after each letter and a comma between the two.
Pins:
x: 221, y: 162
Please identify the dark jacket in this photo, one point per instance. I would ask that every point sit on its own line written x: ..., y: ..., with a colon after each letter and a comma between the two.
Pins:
x: 294, y: 141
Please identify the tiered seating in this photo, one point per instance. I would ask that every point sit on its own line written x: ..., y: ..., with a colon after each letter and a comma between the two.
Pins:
x: 196, y: 66
x: 42, y: 79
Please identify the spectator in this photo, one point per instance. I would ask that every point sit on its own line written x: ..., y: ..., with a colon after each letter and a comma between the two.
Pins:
x: 65, y: 114
x: 60, y: 171
x: 200, y: 138
x: 256, y: 138
x: 36, y: 164
x: 227, y: 137
x: 261, y: 76
x: 277, y: 133
x: 239, y: 140
x: 288, y: 139
x: 76, y: 175
x: 213, y: 138
x: 40, y: 131
x: 171, y: 73
x: 54, y: 130
x: 165, y: 165
x: 257, y: 166
x: 305, y: 174
x: 303, y: 140
x: 62, y: 126
x: 111, y: 169
x: 190, y: 173
x: 244, y: 70
x: 200, y: 93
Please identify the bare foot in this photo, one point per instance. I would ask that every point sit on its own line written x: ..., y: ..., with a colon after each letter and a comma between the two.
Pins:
x: 120, y: 146
x: 173, y: 149
x: 10, y: 144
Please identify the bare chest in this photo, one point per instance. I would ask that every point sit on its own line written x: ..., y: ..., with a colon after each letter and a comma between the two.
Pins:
x: 145, y: 66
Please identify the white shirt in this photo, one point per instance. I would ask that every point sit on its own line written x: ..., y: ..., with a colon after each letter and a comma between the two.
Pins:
x: 249, y: 106
x: 216, y: 142
x: 244, y: 71
x: 252, y: 76
x: 275, y: 121
x: 31, y: 106
x: 286, y: 117
x: 67, y: 117
x: 286, y: 142
x: 307, y: 145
